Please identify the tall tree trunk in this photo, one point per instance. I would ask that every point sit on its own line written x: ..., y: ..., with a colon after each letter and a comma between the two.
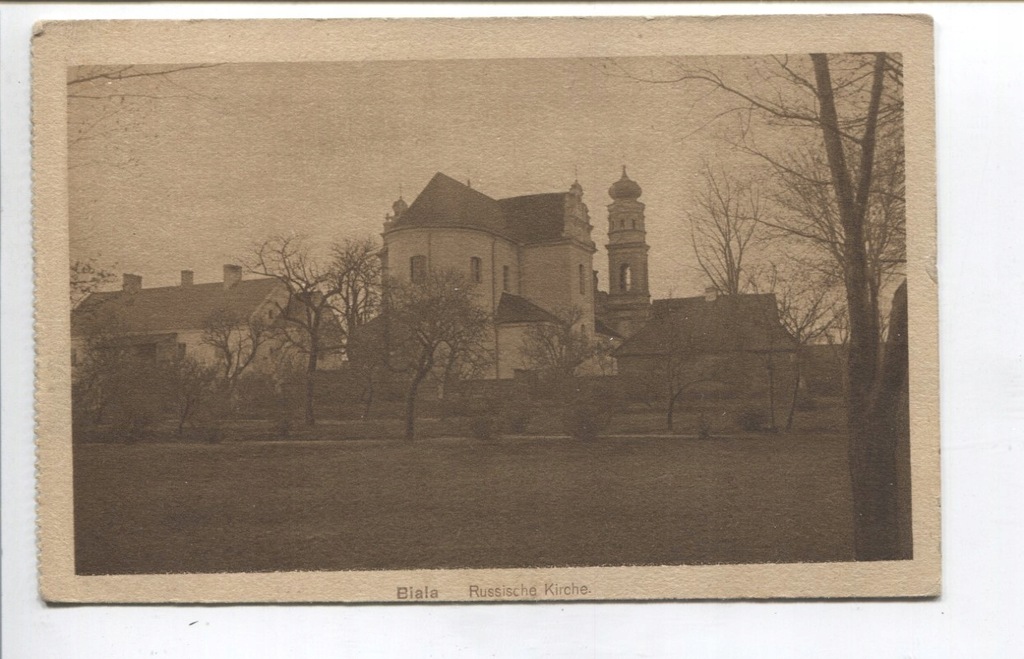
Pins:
x: 871, y: 456
x: 796, y: 394
x: 669, y: 419
x: 368, y: 393
x: 410, y: 403
x: 310, y: 375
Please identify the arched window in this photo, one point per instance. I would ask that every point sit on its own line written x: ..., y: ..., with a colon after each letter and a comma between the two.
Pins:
x: 475, y: 269
x: 418, y: 269
x: 625, y: 278
x: 583, y: 281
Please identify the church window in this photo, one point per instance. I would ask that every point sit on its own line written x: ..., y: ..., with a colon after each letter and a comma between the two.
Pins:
x: 583, y: 280
x: 506, y: 279
x: 475, y: 269
x: 418, y: 269
x: 625, y: 278
x: 634, y: 222
x: 181, y: 350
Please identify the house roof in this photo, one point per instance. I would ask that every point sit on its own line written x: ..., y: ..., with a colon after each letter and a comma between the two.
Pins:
x: 730, y: 323
x: 516, y: 309
x: 447, y: 202
x: 601, y: 328
x: 173, y: 307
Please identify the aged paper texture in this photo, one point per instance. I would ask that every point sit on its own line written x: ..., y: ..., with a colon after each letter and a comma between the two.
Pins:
x: 486, y: 310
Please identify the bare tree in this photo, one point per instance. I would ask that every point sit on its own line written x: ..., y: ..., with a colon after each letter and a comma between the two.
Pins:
x: 236, y: 342
x: 100, y: 362
x: 806, y: 307
x: 188, y: 384
x: 86, y: 277
x: 683, y: 363
x: 844, y: 106
x: 559, y: 346
x: 308, y: 323
x: 356, y: 270
x: 723, y: 228
x: 105, y: 100
x: 428, y: 325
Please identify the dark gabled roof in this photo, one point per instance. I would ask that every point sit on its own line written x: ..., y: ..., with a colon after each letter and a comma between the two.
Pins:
x: 730, y: 323
x: 536, y: 217
x: 445, y: 202
x: 171, y: 307
x: 601, y: 328
x: 515, y: 309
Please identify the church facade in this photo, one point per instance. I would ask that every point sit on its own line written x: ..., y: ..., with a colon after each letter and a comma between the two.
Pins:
x: 530, y: 258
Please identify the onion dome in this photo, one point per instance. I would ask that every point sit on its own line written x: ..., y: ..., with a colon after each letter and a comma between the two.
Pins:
x: 624, y: 188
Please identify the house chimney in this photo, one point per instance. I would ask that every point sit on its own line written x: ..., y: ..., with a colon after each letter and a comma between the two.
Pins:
x: 710, y: 293
x: 186, y: 278
x: 232, y: 275
x: 131, y: 283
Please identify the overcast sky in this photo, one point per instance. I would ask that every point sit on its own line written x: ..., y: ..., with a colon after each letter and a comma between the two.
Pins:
x: 225, y: 156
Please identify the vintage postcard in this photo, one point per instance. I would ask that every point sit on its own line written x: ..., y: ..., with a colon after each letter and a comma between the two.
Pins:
x: 486, y: 310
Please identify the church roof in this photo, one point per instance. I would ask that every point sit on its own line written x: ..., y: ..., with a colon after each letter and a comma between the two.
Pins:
x: 516, y: 309
x: 536, y: 217
x: 445, y: 202
x: 171, y: 307
x: 730, y: 323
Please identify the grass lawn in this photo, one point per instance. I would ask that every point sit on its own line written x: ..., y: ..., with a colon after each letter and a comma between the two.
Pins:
x: 437, y: 503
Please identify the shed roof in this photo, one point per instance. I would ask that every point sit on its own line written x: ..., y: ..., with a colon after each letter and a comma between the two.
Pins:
x: 516, y: 309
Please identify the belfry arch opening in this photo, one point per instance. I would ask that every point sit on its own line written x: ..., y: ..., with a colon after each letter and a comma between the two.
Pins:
x: 625, y: 278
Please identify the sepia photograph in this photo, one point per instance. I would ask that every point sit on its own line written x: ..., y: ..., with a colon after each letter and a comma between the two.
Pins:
x: 531, y: 313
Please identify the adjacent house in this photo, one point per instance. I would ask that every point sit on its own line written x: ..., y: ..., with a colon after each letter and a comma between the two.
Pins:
x: 172, y: 322
x: 742, y: 333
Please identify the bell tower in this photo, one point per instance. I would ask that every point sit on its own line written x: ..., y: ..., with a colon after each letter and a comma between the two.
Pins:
x: 629, y: 299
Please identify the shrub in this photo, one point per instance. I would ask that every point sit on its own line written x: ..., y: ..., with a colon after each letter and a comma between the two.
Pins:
x: 131, y: 427
x: 586, y: 420
x: 752, y: 419
x: 483, y: 427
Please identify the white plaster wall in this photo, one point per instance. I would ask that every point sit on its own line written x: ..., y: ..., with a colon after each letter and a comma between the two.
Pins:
x: 452, y: 249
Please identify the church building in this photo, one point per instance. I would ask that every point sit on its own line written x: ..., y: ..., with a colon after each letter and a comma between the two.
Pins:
x: 531, y: 258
